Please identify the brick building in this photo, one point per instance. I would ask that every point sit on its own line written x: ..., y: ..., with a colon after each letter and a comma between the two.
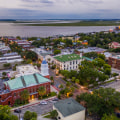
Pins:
x: 114, y: 61
x: 14, y: 87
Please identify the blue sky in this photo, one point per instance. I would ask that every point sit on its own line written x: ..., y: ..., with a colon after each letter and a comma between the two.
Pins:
x: 59, y: 9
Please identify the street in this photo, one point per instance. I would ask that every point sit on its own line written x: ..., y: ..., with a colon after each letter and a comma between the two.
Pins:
x: 57, y: 79
x: 115, y: 85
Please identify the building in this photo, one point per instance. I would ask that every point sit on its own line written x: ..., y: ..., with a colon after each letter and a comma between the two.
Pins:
x: 11, y: 58
x: 24, y: 44
x: 114, y: 61
x: 4, y: 49
x: 44, y: 69
x: 13, y: 88
x: 41, y: 52
x: 114, y: 45
x: 69, y: 109
x: 24, y: 70
x: 92, y: 49
x: 68, y: 62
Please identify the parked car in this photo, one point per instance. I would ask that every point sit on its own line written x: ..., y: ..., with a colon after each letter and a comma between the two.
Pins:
x: 17, y: 111
x: 43, y: 103
x: 55, y: 99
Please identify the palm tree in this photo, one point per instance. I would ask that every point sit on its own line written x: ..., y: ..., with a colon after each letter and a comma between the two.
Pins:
x: 24, y: 95
x: 41, y: 91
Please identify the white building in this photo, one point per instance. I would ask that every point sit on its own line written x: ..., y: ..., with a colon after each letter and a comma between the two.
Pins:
x: 68, y: 62
x: 69, y: 109
x: 24, y: 70
x: 44, y: 68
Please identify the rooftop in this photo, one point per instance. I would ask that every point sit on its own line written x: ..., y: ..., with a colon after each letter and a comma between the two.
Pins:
x: 68, y: 107
x: 70, y: 57
x: 24, y: 70
x: 26, y: 81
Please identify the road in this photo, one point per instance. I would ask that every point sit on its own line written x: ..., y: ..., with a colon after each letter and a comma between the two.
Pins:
x: 115, y: 70
x: 115, y: 85
x: 57, y: 79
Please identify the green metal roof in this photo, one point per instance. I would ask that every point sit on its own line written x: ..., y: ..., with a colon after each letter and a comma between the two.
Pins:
x: 68, y: 107
x: 26, y: 81
x: 69, y: 57
x: 86, y: 58
x: 42, y: 79
x: 15, y: 83
x: 29, y: 80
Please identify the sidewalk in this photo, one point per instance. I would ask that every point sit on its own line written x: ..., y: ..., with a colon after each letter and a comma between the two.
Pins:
x: 33, y: 103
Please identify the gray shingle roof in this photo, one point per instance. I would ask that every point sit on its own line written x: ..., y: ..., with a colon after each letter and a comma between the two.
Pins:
x: 68, y: 107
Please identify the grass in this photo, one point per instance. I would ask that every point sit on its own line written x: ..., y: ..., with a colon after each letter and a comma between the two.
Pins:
x: 82, y: 23
x: 47, y: 116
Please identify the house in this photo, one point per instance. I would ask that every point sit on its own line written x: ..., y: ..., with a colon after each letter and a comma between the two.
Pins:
x: 68, y: 62
x: 13, y: 88
x: 114, y: 45
x: 85, y: 42
x: 69, y: 109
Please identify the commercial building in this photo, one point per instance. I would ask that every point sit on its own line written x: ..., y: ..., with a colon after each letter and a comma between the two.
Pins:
x: 68, y: 62
x: 11, y: 58
x: 13, y: 88
x: 69, y: 109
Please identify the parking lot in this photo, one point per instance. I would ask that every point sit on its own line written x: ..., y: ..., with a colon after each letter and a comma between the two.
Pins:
x: 38, y: 108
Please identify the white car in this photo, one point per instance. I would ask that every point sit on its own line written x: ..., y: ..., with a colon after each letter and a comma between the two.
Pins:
x: 43, y: 103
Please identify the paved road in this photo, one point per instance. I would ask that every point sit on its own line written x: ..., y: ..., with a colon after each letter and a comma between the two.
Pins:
x: 115, y: 85
x: 57, y: 79
x: 115, y: 70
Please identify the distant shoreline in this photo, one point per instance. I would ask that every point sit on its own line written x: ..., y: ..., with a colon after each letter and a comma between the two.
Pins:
x: 81, y: 23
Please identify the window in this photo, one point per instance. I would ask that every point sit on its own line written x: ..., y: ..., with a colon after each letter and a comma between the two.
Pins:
x: 73, y: 62
x: 14, y: 94
x: 0, y: 96
x: 64, y: 65
x: 76, y: 61
x: 70, y: 63
x: 70, y: 68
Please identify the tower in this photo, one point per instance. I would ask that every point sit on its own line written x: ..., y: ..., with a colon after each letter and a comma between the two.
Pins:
x: 44, y: 69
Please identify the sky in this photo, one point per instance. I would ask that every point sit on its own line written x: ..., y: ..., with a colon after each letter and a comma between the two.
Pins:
x: 59, y: 9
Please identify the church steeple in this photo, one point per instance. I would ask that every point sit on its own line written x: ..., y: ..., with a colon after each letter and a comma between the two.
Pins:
x: 44, y: 69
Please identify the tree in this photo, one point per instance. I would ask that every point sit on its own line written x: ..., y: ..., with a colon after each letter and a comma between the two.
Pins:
x: 30, y: 55
x: 54, y: 114
x: 99, y: 62
x: 109, y: 117
x: 24, y: 95
x: 102, y: 56
x: 41, y: 91
x: 61, y: 86
x: 57, y: 52
x: 4, y: 73
x: 30, y: 115
x: 77, y: 81
x: 7, y: 65
x: 102, y: 101
x: 5, y: 113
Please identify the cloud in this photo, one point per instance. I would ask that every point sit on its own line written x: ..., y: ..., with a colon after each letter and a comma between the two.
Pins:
x: 56, y: 8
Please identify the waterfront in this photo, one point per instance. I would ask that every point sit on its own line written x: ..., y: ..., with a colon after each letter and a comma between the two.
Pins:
x: 11, y: 29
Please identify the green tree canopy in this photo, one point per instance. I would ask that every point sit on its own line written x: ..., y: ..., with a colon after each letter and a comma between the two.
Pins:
x: 102, y: 101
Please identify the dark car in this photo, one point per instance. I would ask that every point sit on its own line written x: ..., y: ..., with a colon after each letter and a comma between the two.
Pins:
x: 17, y: 111
x: 55, y: 99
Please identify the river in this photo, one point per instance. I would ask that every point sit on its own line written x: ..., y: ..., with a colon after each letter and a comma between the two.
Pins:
x: 11, y: 29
